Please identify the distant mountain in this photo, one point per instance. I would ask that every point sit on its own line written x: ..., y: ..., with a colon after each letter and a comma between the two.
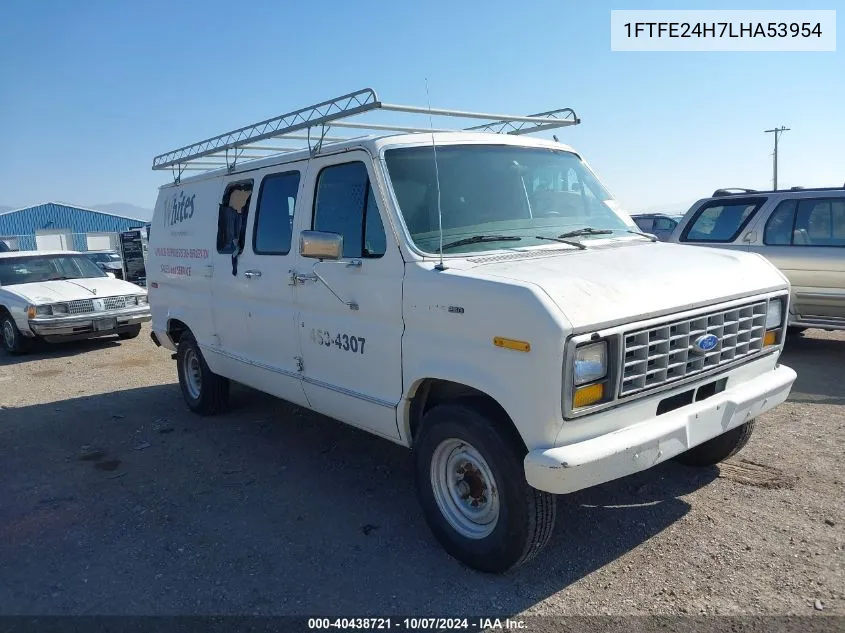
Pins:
x: 124, y: 208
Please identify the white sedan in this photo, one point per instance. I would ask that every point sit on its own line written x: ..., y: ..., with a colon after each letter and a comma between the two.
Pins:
x: 63, y: 295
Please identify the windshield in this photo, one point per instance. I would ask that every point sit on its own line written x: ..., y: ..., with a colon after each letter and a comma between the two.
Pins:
x: 105, y: 257
x: 498, y: 191
x: 25, y: 270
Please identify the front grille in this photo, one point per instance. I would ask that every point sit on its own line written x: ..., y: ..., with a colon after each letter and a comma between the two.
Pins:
x: 114, y: 303
x: 664, y: 353
x: 80, y: 306
x: 84, y: 306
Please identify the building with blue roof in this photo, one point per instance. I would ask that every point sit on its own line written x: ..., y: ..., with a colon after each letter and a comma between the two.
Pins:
x: 58, y: 226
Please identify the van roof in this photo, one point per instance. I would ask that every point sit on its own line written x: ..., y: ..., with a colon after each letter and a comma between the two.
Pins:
x: 245, y: 148
x: 374, y: 144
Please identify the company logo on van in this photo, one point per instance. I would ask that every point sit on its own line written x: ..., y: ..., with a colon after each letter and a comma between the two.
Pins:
x: 178, y: 208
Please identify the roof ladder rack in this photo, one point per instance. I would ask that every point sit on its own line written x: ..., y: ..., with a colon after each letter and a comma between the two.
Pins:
x: 313, y: 123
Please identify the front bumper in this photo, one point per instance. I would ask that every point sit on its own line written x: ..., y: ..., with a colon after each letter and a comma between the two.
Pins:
x: 565, y: 469
x: 88, y: 324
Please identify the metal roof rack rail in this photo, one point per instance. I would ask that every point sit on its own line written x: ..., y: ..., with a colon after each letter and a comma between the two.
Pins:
x: 312, y: 124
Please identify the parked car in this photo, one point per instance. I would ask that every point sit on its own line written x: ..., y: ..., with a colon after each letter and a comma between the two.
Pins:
x: 62, y: 295
x: 109, y: 261
x: 478, y: 297
x: 660, y: 225
x: 801, y: 231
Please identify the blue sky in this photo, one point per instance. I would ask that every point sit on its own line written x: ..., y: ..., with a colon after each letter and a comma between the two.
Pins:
x: 92, y: 90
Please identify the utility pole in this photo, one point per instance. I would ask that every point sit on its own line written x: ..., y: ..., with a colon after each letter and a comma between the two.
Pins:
x: 777, y: 131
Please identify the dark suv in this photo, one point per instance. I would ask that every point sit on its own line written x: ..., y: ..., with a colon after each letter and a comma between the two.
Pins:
x: 660, y: 225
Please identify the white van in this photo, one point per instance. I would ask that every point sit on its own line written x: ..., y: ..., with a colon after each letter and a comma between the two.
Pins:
x: 475, y: 295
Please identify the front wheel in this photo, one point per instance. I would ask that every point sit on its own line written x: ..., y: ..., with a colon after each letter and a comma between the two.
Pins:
x: 719, y: 448
x: 205, y: 392
x: 13, y: 341
x: 471, y: 485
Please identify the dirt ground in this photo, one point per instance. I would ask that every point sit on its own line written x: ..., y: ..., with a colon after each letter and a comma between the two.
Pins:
x: 114, y: 499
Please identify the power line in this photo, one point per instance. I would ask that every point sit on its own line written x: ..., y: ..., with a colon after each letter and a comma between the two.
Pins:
x: 777, y: 131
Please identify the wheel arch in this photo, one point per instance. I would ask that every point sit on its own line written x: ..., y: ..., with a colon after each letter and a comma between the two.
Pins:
x: 427, y: 393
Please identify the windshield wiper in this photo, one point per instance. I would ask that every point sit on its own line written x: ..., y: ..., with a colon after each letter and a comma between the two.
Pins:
x: 558, y: 239
x: 476, y: 239
x: 648, y: 235
x: 586, y: 231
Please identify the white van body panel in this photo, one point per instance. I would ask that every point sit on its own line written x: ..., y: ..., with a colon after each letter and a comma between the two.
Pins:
x: 415, y: 322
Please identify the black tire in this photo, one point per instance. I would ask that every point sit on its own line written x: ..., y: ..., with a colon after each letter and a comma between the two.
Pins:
x: 10, y: 336
x: 129, y: 334
x: 526, y: 515
x: 211, y: 395
x: 794, y: 330
x: 719, y: 448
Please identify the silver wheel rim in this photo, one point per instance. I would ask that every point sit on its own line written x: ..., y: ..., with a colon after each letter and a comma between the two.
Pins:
x: 193, y: 373
x: 464, y: 489
x: 8, y: 334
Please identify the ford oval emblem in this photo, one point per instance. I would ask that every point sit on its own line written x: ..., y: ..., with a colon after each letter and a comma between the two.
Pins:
x: 705, y: 343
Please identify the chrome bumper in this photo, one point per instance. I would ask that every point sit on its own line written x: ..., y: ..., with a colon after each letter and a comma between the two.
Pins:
x: 89, y: 324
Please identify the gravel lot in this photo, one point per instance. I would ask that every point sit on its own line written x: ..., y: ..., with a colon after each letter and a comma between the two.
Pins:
x: 115, y: 500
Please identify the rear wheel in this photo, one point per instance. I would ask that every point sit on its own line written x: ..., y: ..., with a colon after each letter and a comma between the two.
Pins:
x: 719, y: 448
x: 14, y: 342
x: 205, y: 392
x: 130, y: 333
x: 472, y: 488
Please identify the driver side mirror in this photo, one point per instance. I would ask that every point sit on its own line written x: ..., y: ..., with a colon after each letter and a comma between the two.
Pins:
x: 321, y: 245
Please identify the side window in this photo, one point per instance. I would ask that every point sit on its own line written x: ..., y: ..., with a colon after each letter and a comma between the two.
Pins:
x: 820, y: 222
x: 645, y: 224
x: 778, y: 230
x: 232, y: 216
x: 346, y: 204
x: 718, y: 221
x: 664, y: 224
x: 274, y: 214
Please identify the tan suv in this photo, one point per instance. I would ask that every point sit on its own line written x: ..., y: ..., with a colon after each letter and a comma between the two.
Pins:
x: 801, y: 231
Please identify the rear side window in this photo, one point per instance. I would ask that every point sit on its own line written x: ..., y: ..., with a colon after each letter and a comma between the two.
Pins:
x: 664, y: 224
x: 721, y: 220
x: 274, y: 214
x: 345, y: 203
x: 644, y: 224
x: 807, y: 222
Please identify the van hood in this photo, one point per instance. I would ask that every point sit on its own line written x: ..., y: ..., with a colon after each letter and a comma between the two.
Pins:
x: 615, y: 283
x: 71, y: 289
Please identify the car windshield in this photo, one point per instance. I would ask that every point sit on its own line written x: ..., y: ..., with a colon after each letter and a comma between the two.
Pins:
x: 532, y: 194
x: 25, y: 270
x: 105, y: 257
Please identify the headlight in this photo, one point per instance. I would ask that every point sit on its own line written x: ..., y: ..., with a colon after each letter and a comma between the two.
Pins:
x: 43, y: 310
x: 590, y: 362
x: 142, y: 300
x: 774, y: 314
x: 60, y: 308
x: 131, y: 300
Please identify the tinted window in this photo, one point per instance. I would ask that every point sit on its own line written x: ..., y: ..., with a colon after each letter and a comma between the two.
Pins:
x: 820, y: 222
x: 721, y: 221
x: 274, y: 214
x: 645, y: 224
x: 664, y: 224
x: 345, y: 204
x: 779, y: 227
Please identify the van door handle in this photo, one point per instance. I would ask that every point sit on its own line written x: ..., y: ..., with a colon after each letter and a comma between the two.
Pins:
x: 250, y: 274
